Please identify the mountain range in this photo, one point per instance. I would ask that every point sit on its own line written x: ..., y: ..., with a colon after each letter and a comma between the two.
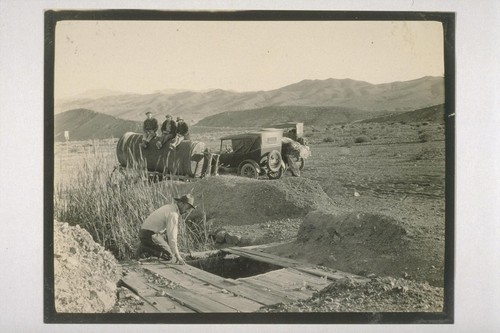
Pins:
x: 343, y: 94
x: 310, y: 116
x: 85, y: 124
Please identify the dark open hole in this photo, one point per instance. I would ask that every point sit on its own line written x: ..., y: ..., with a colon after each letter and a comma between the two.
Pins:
x: 232, y: 266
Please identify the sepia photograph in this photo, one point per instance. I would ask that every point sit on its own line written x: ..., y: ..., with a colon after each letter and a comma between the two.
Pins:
x: 249, y: 166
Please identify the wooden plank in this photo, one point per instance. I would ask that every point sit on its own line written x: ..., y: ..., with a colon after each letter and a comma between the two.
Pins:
x: 262, y: 256
x: 200, y: 287
x: 293, y: 279
x: 295, y: 291
x: 272, y: 289
x: 136, y: 282
x: 285, y: 262
x: 185, y: 298
x: 206, y: 254
x: 334, y: 276
x: 143, y: 306
x: 197, y: 302
x: 168, y: 305
x: 256, y: 294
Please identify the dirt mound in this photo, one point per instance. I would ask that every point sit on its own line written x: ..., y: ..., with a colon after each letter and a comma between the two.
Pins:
x: 364, y: 244
x: 233, y: 200
x: 378, y: 233
x: 378, y: 295
x: 85, y: 274
x: 256, y: 234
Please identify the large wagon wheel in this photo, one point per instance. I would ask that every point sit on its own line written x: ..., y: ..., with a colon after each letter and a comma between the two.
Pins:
x: 249, y: 170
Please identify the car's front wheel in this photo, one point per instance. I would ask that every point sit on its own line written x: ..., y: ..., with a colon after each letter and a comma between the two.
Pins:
x: 249, y: 170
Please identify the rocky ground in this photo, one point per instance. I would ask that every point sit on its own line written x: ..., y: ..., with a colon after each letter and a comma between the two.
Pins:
x: 381, y: 294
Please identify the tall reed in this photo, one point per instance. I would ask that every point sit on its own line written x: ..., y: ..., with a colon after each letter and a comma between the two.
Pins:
x: 112, y: 205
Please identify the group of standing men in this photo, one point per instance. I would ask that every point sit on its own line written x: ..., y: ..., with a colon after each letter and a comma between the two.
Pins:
x: 172, y: 132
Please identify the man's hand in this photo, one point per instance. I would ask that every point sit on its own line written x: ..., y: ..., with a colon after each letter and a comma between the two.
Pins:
x: 180, y: 261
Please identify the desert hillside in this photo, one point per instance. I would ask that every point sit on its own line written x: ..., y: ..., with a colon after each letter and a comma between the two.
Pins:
x: 85, y: 124
x: 344, y: 93
x: 268, y: 116
x: 434, y: 114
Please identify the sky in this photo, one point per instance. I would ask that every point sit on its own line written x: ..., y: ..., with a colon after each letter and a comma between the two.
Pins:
x: 148, y: 56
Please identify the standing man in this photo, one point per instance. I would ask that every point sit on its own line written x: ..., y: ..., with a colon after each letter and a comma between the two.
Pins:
x: 168, y: 131
x: 165, y: 219
x: 149, y: 127
x: 182, y: 128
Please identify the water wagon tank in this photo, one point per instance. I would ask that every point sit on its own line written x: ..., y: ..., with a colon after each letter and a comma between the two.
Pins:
x: 185, y: 160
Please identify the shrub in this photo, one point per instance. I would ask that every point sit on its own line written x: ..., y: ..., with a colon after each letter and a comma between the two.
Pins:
x: 361, y: 139
x: 329, y: 139
x: 347, y: 143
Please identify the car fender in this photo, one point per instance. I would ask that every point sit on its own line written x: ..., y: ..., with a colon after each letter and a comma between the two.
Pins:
x: 255, y: 164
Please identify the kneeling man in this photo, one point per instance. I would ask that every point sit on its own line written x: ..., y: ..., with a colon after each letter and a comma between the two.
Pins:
x: 165, y: 219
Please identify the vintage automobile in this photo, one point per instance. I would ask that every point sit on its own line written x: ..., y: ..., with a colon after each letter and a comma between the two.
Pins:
x: 253, y: 154
x: 293, y: 130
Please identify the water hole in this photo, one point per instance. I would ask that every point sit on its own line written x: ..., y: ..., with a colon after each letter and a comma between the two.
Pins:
x: 233, y: 266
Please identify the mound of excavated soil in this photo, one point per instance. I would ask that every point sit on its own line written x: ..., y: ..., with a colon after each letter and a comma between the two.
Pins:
x: 378, y: 295
x: 85, y: 274
x: 363, y: 244
x: 233, y: 200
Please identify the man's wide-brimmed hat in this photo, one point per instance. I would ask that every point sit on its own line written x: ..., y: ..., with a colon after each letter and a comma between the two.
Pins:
x: 148, y: 113
x: 179, y: 118
x: 168, y: 116
x: 188, y: 198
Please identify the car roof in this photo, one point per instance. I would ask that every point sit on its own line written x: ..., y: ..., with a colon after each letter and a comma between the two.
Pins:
x: 249, y: 135
x: 286, y: 125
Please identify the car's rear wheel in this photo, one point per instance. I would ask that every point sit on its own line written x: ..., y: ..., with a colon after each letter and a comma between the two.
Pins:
x: 274, y: 161
x: 249, y: 170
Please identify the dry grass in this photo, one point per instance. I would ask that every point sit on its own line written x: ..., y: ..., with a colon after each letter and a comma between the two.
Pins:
x: 111, y: 206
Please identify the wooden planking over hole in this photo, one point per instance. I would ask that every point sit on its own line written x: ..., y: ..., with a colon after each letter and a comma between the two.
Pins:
x: 286, y: 262
x: 200, y: 287
x: 256, y: 294
x: 136, y: 282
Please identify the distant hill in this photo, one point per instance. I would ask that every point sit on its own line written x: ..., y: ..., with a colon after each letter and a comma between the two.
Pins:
x: 267, y: 116
x: 430, y: 114
x: 85, y: 124
x: 345, y: 93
